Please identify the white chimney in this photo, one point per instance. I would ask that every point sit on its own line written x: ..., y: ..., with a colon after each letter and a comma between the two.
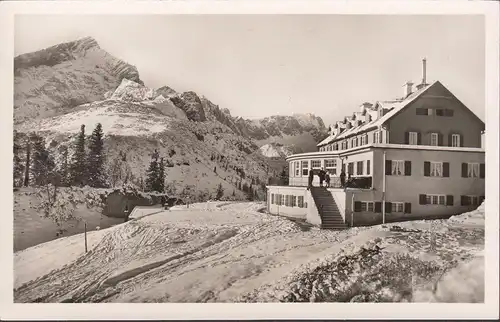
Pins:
x: 407, y: 89
x: 424, y: 74
x: 424, y: 71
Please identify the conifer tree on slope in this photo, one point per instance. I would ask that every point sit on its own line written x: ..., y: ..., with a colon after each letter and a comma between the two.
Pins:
x: 78, y: 173
x: 161, y: 176
x: 64, y: 168
x: 152, y: 174
x: 17, y: 164
x: 220, y: 192
x: 27, y: 163
x: 42, y: 169
x: 95, y: 159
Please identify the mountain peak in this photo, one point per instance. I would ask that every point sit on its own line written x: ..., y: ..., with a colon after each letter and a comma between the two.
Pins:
x: 56, y: 54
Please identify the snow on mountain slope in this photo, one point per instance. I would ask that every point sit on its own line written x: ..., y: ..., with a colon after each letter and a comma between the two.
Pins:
x: 137, y: 120
x: 51, y: 81
x: 131, y: 91
x: 233, y: 253
x: 273, y: 150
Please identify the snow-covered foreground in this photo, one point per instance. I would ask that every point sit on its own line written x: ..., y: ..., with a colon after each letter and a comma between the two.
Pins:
x: 235, y: 253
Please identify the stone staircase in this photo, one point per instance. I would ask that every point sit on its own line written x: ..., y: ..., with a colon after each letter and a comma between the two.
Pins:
x: 327, y: 209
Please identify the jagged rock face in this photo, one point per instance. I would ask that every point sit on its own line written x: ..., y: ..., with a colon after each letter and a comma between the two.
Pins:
x: 191, y: 104
x: 166, y: 91
x: 54, y: 80
x: 214, y: 113
x: 133, y: 92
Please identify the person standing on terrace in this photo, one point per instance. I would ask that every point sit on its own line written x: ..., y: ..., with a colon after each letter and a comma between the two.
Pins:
x: 342, y: 178
x: 321, y: 175
x: 310, y: 179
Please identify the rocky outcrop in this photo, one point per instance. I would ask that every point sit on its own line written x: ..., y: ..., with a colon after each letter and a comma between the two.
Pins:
x: 166, y: 91
x: 133, y: 92
x: 54, y: 80
x: 191, y: 104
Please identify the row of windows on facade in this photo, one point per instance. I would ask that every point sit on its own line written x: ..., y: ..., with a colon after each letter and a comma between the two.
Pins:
x: 434, y: 111
x: 394, y: 167
x: 288, y: 200
x: 390, y: 207
x: 434, y: 169
x: 424, y: 199
x: 411, y: 138
x: 356, y: 141
x: 330, y: 165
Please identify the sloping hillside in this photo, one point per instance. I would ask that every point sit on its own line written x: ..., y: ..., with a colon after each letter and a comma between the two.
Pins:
x: 233, y: 253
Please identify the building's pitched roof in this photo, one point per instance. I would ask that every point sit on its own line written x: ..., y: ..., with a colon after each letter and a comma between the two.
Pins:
x: 393, y: 107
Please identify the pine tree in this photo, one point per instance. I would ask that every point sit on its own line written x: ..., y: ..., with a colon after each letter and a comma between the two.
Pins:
x: 161, y: 176
x: 17, y: 164
x: 64, y: 171
x: 220, y: 192
x: 284, y: 176
x: 27, y: 163
x: 153, y: 177
x: 78, y: 173
x: 249, y: 193
x: 42, y: 163
x: 95, y: 159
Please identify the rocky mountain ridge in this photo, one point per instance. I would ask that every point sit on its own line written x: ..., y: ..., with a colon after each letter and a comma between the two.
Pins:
x: 59, y: 88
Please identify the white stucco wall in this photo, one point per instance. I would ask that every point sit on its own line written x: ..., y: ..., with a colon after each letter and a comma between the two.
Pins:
x: 313, y: 216
x: 295, y: 212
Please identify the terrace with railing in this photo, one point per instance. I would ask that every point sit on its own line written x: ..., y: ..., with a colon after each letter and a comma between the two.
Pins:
x: 335, y: 182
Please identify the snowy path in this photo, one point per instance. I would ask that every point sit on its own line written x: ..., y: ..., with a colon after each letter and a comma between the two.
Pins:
x: 183, y: 255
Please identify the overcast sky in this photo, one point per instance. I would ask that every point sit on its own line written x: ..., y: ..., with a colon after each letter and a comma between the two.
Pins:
x: 263, y: 65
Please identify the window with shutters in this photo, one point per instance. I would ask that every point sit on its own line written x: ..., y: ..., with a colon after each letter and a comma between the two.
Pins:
x: 436, y: 169
x: 434, y: 139
x: 471, y: 200
x: 305, y: 165
x: 300, y: 201
x: 398, y: 168
x: 436, y: 200
x: 397, y: 207
x: 413, y: 138
x: 297, y: 168
x: 367, y: 206
x: 359, y: 168
x: 455, y: 140
x: 473, y: 170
